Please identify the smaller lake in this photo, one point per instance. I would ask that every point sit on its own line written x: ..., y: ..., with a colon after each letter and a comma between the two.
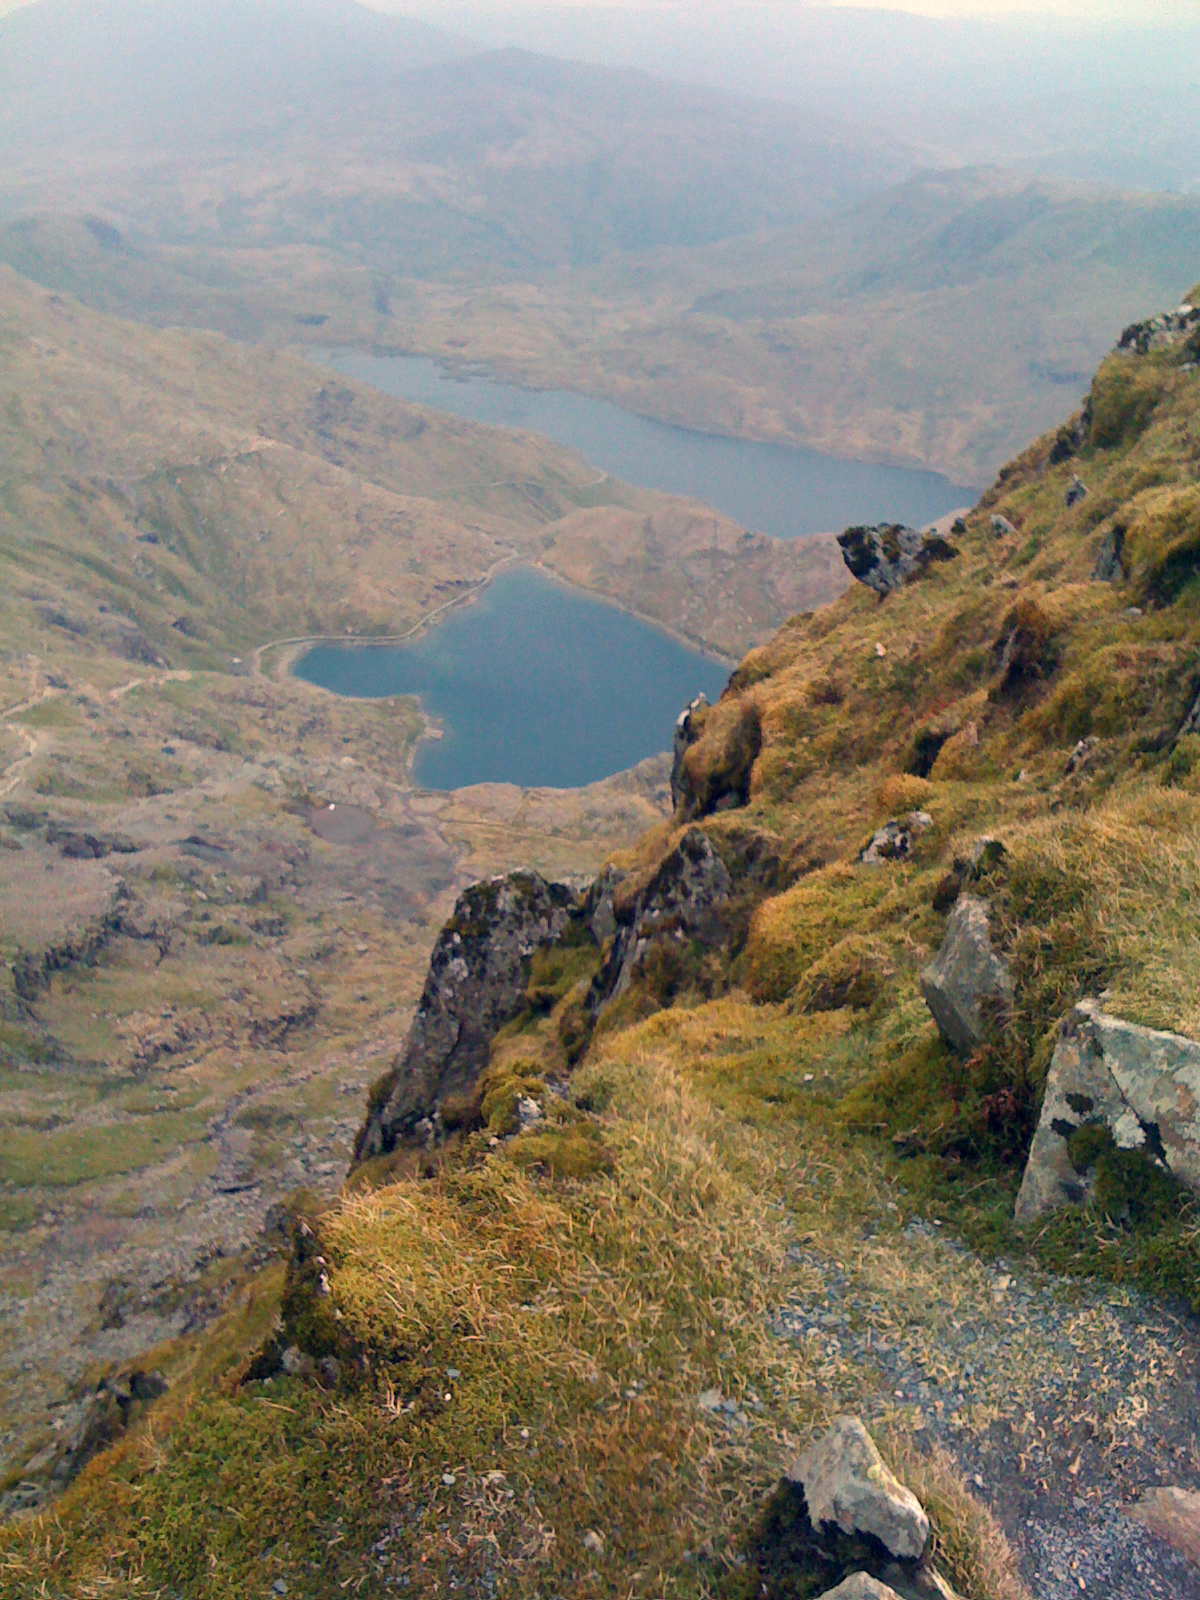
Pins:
x: 534, y: 683
x: 770, y: 488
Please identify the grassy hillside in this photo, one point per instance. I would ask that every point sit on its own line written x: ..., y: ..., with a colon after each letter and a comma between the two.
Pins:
x: 207, y: 868
x: 225, y: 497
x: 766, y: 1175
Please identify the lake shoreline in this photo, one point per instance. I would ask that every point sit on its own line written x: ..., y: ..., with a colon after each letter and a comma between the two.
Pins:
x: 549, y: 686
x: 783, y: 489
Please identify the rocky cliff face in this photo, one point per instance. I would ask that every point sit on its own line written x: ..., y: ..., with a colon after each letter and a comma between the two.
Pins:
x: 477, y: 978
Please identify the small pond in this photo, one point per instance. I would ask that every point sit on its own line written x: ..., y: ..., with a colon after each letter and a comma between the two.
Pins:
x: 534, y: 683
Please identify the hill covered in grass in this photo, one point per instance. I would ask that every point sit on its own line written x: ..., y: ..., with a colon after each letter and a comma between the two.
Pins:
x: 573, y: 1348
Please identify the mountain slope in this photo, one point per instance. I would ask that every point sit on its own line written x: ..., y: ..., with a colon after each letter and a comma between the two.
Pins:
x: 571, y: 1351
x: 931, y: 324
x: 262, y: 124
x: 203, y: 477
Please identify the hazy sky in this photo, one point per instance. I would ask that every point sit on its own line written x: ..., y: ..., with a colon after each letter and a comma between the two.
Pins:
x: 1129, y: 11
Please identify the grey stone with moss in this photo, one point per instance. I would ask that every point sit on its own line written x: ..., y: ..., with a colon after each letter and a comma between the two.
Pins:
x: 966, y: 976
x: 1140, y: 1084
x: 846, y: 1482
x: 477, y: 979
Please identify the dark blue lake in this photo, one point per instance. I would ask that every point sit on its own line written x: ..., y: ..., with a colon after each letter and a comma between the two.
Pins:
x: 534, y: 683
x: 771, y: 488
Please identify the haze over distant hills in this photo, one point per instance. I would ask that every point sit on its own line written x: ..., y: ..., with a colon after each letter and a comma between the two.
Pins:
x: 1106, y: 102
x: 324, y: 173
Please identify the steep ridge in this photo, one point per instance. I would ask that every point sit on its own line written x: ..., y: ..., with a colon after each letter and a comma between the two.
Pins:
x: 721, y: 1176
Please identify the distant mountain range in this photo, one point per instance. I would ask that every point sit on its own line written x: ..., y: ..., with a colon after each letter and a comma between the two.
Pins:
x: 255, y: 122
x: 320, y: 172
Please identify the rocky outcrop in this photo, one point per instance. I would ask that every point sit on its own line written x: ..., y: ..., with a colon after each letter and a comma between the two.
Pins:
x: 893, y: 842
x: 1160, y: 333
x: 686, y: 899
x: 889, y: 555
x: 477, y: 979
x: 847, y: 1485
x: 1141, y: 1085
x: 966, y: 976
x: 715, y: 751
x: 687, y: 730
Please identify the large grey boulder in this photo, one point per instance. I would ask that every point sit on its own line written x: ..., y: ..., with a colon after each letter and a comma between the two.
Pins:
x: 477, y: 979
x: 686, y: 899
x: 846, y: 1482
x: 1144, y: 1086
x: 889, y: 555
x: 965, y: 976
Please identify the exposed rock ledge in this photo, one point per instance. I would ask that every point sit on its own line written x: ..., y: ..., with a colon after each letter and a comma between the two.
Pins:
x: 476, y: 983
x: 1144, y: 1086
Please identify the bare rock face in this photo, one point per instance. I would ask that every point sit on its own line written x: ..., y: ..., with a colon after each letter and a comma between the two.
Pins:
x: 686, y: 899
x: 476, y: 983
x: 846, y: 1482
x: 889, y: 555
x: 965, y: 975
x: 1144, y: 1086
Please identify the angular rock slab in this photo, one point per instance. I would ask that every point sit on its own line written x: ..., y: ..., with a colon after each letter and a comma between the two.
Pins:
x: 1144, y: 1085
x: 846, y: 1482
x: 965, y: 973
x: 861, y: 1587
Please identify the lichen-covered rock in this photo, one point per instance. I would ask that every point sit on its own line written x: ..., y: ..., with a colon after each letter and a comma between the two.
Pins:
x: 893, y: 842
x: 477, y: 979
x: 1144, y: 1086
x: 686, y: 899
x: 599, y: 903
x: 846, y: 1483
x: 965, y: 975
x: 888, y: 555
x: 1160, y: 333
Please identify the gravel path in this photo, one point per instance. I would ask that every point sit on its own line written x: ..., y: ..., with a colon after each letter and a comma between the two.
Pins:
x: 1061, y: 1403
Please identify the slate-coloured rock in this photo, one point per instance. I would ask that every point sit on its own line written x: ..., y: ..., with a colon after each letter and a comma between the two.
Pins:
x: 965, y: 975
x: 893, y: 842
x: 889, y: 555
x: 476, y: 983
x: 685, y: 900
x: 846, y: 1482
x: 1144, y: 1086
